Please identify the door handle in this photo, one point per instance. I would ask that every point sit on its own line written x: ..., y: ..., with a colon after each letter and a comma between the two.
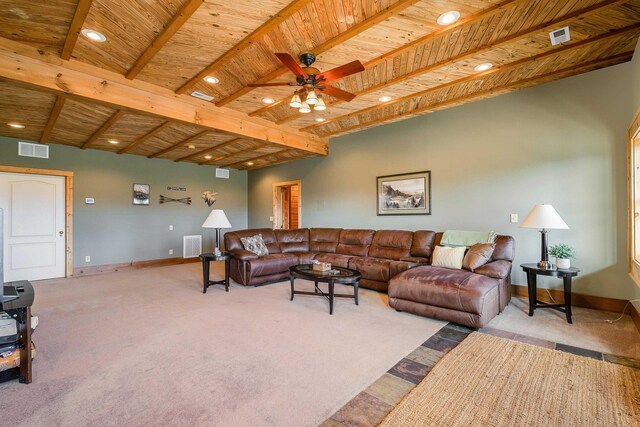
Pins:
x: 60, y: 233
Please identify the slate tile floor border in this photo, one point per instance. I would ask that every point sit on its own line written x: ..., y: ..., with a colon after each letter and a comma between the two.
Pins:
x: 371, y: 405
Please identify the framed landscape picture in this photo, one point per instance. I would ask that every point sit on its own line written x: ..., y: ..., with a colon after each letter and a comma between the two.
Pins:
x: 141, y: 194
x: 405, y: 194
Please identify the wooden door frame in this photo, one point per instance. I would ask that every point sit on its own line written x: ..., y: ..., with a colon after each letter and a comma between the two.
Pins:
x: 274, y: 199
x: 68, y: 206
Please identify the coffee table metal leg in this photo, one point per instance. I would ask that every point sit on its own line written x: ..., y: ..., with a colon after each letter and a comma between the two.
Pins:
x: 330, y: 296
x: 356, y: 285
x: 227, y: 264
x: 567, y: 296
x: 291, y: 279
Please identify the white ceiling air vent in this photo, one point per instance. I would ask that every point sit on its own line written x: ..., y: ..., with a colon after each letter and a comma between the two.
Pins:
x: 202, y: 96
x: 191, y: 246
x: 559, y: 36
x: 222, y: 173
x: 33, y: 150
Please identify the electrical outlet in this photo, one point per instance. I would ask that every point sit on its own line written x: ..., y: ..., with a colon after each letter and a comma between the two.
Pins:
x: 87, y: 259
x: 513, y: 218
x: 170, y: 251
x: 171, y: 228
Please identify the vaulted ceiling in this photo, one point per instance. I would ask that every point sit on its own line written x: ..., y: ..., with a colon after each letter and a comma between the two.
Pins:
x: 132, y: 92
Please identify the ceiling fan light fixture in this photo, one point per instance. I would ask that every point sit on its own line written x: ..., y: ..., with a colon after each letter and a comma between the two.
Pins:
x: 304, y: 108
x: 312, y: 98
x: 448, y: 18
x: 320, y: 106
x: 296, y: 102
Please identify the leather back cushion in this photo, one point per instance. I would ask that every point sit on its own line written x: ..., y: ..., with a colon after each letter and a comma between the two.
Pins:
x: 232, y: 239
x: 324, y: 239
x: 391, y: 244
x: 505, y: 249
x: 293, y: 240
x: 423, y: 243
x: 355, y: 242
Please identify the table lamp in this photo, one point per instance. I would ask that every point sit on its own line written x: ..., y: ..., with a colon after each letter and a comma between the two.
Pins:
x: 217, y: 219
x: 544, y: 217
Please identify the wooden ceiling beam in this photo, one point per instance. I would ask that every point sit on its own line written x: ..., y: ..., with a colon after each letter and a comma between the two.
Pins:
x: 384, y: 14
x: 499, y: 90
x: 82, y: 10
x: 506, y: 67
x: 208, y: 150
x: 105, y: 127
x: 180, y: 144
x: 145, y: 137
x: 261, y: 31
x: 158, y: 43
x: 26, y: 65
x: 579, y: 14
x: 53, y: 118
x: 254, y: 159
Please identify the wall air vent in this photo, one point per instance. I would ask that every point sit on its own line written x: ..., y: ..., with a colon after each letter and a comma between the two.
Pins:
x: 191, y: 246
x: 560, y: 36
x: 222, y: 173
x: 202, y: 96
x: 27, y: 149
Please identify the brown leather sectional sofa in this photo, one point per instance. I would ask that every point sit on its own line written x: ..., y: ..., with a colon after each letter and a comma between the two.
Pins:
x: 390, y: 261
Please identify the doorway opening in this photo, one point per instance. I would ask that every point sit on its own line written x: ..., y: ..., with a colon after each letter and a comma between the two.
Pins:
x: 287, y: 205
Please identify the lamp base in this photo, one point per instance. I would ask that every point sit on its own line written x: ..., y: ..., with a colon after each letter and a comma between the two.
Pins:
x: 546, y: 265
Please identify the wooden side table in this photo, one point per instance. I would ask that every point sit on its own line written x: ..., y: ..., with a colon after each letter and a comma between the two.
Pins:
x: 533, y: 271
x: 206, y: 259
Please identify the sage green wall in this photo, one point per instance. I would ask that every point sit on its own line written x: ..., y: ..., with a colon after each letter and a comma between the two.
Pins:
x: 561, y: 143
x: 113, y: 230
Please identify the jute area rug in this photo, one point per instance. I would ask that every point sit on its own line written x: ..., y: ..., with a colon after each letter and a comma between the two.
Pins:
x: 492, y: 381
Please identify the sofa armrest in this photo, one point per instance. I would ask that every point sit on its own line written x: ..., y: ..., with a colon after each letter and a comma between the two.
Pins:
x: 243, y: 254
x: 497, y: 269
x: 417, y: 259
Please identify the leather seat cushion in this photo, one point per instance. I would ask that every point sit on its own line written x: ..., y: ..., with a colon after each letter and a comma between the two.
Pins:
x: 443, y: 287
x: 371, y: 268
x: 335, y: 259
x: 271, y: 264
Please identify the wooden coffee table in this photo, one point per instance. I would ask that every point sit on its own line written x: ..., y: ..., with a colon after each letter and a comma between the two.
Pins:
x: 341, y: 275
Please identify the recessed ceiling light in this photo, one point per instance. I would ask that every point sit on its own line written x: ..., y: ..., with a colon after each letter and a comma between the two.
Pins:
x: 249, y: 163
x: 268, y: 100
x: 384, y: 99
x: 191, y: 147
x: 320, y: 119
x: 484, y: 67
x: 114, y: 141
x: 208, y: 156
x: 94, y: 35
x: 16, y: 125
x: 448, y: 17
x: 211, y: 79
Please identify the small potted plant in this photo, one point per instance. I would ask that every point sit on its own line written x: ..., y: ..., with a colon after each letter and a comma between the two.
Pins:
x: 563, y: 254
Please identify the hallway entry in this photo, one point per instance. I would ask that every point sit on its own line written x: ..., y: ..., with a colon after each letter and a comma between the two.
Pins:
x: 287, y: 205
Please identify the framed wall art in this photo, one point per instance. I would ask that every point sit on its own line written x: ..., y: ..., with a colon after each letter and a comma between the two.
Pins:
x: 404, y: 194
x: 141, y: 194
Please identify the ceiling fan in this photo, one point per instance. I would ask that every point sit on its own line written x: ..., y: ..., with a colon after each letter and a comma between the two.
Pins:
x: 310, y: 80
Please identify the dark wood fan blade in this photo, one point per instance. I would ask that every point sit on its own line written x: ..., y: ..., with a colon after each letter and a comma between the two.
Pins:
x: 271, y: 84
x: 292, y: 64
x: 338, y: 93
x: 342, y: 71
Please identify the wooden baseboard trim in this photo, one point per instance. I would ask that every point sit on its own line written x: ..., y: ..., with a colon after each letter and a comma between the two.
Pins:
x: 134, y: 265
x: 577, y: 300
x: 635, y: 315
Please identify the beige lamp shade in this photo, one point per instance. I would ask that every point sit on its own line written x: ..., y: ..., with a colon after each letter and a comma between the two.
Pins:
x: 216, y: 219
x: 544, y: 217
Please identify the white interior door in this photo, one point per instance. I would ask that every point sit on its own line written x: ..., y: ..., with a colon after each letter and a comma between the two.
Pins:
x: 34, y: 226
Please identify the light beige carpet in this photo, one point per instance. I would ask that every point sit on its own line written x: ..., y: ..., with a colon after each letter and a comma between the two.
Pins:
x: 491, y: 381
x: 147, y: 348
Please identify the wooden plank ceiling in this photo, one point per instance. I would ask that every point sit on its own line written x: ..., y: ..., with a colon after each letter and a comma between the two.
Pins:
x: 131, y: 93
